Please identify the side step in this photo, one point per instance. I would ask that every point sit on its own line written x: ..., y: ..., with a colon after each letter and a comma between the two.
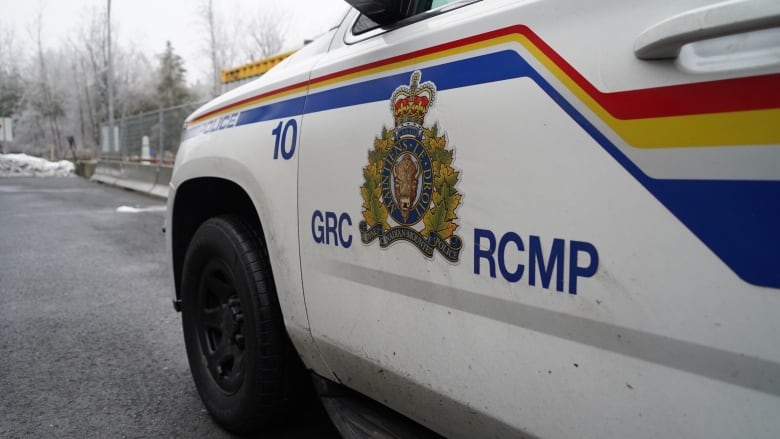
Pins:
x: 357, y: 416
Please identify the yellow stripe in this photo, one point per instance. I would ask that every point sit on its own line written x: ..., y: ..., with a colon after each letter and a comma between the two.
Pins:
x: 250, y: 103
x: 740, y: 128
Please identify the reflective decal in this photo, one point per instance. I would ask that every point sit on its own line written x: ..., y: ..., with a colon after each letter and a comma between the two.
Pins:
x: 330, y: 228
x: 727, y: 114
x: 583, y: 259
x: 409, y: 192
x: 281, y: 141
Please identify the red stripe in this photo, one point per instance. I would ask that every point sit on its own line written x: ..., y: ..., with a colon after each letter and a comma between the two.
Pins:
x: 248, y: 100
x: 740, y: 94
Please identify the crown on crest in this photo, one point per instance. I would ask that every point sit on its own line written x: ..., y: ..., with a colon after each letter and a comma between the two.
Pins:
x: 411, y: 102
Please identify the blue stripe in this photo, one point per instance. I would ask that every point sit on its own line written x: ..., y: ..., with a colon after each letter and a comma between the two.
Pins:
x: 457, y: 74
x: 279, y: 110
x: 738, y: 220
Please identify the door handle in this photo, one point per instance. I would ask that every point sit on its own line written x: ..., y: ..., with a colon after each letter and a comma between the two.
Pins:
x: 664, y: 39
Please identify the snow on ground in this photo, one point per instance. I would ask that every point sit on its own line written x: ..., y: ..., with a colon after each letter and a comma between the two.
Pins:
x: 129, y: 209
x: 23, y: 165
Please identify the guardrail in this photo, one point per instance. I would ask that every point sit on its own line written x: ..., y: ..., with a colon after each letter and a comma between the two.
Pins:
x: 252, y: 69
x: 146, y: 177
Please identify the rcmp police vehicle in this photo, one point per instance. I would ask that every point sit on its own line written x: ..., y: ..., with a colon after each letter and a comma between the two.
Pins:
x: 496, y: 218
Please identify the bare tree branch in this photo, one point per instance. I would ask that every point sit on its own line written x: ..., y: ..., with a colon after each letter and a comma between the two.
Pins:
x: 267, y: 31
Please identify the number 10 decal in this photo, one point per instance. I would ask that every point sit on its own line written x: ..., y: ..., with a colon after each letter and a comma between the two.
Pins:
x: 281, y: 143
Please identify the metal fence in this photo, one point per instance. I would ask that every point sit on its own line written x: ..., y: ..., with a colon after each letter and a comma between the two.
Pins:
x: 153, y: 136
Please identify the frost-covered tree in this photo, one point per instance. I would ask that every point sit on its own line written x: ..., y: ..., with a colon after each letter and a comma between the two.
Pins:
x: 267, y: 31
x: 224, y: 42
x: 135, y: 78
x: 248, y: 37
x: 11, y: 83
x: 171, y: 78
x: 64, y: 87
x: 44, y: 96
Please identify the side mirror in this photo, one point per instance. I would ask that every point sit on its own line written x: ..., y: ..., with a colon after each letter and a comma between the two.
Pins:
x: 384, y: 12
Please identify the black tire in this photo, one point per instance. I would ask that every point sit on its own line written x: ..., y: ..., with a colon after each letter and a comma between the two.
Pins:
x: 244, y: 366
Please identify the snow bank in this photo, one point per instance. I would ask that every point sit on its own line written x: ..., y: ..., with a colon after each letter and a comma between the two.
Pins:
x: 23, y: 165
x: 129, y: 209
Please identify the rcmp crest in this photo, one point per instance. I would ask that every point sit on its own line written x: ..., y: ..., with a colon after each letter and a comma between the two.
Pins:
x: 409, y: 190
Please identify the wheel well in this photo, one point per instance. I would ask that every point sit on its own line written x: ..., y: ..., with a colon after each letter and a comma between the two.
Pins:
x: 198, y: 200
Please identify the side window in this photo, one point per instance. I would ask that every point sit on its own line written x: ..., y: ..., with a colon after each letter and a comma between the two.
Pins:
x: 438, y: 3
x: 427, y: 5
x: 364, y: 24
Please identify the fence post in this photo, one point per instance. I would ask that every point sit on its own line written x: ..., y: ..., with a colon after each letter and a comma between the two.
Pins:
x: 161, y: 154
x: 123, y: 138
x: 161, y: 123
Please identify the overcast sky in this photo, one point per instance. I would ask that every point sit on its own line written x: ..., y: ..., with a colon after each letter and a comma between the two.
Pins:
x: 147, y: 24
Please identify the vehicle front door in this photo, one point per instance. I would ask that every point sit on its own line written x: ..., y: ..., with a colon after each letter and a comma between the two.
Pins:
x: 499, y: 229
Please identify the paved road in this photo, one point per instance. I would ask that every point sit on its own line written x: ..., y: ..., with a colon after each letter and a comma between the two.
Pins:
x: 89, y: 343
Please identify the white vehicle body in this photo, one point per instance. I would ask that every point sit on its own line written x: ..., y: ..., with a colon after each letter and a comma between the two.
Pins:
x: 606, y: 261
